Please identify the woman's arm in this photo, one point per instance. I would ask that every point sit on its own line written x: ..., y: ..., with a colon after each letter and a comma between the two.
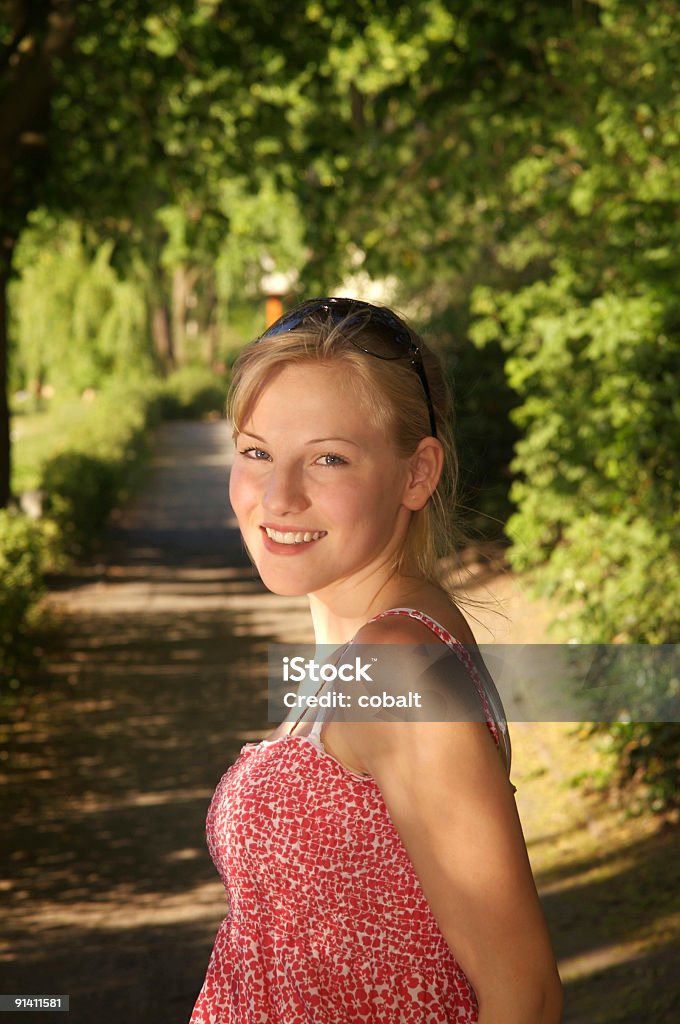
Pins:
x: 450, y: 799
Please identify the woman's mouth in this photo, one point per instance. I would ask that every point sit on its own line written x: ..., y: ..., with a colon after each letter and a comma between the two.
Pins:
x: 293, y: 536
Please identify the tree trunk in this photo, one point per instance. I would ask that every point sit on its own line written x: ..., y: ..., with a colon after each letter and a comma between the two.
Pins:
x: 161, y: 333
x: 179, y: 312
x: 211, y: 325
x: 5, y: 449
x: 183, y: 284
x: 159, y: 304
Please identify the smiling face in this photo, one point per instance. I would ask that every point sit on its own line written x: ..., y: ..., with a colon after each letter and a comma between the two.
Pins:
x: 317, y: 489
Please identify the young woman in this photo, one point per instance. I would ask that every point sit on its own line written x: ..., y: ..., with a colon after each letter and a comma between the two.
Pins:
x: 376, y: 870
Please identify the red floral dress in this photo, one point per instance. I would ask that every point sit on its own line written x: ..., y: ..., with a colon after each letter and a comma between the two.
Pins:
x: 327, y: 921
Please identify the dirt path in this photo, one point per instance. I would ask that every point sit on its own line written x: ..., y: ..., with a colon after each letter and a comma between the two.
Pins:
x: 108, y: 890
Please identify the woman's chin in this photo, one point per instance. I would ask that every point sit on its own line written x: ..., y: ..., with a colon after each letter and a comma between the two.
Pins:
x: 284, y: 584
x: 283, y: 590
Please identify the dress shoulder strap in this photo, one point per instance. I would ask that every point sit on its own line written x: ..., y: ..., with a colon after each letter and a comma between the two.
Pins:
x: 315, y: 732
x: 492, y: 704
x: 427, y: 620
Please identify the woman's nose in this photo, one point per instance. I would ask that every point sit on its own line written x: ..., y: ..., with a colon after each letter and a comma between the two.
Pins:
x: 285, y: 491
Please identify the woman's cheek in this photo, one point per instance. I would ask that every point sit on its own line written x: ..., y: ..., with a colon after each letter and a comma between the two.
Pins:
x: 241, y: 489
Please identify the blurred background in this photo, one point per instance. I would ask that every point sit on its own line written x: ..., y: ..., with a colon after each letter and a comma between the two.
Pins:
x: 506, y: 174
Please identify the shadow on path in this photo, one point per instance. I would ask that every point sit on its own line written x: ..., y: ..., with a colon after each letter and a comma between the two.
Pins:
x: 609, y: 884
x: 614, y: 920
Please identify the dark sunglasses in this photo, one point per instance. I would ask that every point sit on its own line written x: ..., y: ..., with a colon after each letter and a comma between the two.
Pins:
x: 390, y: 338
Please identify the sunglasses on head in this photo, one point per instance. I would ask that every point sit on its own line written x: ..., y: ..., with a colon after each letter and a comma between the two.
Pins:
x: 390, y: 338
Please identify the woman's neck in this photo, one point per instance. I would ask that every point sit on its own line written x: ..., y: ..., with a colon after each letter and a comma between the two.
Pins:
x: 337, y: 617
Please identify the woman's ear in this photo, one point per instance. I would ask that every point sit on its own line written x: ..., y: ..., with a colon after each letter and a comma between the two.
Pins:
x: 425, y: 469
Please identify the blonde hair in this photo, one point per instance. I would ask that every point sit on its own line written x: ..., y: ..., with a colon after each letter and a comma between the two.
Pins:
x: 395, y: 402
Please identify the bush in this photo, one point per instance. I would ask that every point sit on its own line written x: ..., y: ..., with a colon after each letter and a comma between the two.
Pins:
x: 81, y: 491
x: 192, y: 393
x: 643, y: 764
x: 649, y: 754
x: 91, y: 472
x: 22, y: 556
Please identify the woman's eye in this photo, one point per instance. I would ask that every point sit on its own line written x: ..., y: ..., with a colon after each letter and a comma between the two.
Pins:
x: 331, y: 460
x: 254, y: 453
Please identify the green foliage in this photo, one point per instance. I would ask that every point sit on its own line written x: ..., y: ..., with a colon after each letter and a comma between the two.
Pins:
x: 22, y: 559
x: 81, y: 490
x: 76, y: 321
x: 644, y: 761
x: 593, y: 340
x: 485, y: 434
x: 192, y: 393
x: 591, y: 325
x: 600, y: 450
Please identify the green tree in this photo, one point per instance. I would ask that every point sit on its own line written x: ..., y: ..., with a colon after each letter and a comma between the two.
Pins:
x: 33, y: 37
x: 76, y: 322
x: 135, y: 117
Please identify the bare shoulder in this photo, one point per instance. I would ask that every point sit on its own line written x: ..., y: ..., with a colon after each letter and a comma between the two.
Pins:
x: 408, y: 658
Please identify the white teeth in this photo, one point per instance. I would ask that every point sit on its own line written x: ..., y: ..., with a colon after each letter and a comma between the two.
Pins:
x: 293, y: 538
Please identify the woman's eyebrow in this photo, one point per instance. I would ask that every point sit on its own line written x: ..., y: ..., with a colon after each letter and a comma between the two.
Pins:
x: 314, y: 440
x: 319, y: 440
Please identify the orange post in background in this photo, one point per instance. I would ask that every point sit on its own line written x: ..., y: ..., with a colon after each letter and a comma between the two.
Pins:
x: 273, y: 309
